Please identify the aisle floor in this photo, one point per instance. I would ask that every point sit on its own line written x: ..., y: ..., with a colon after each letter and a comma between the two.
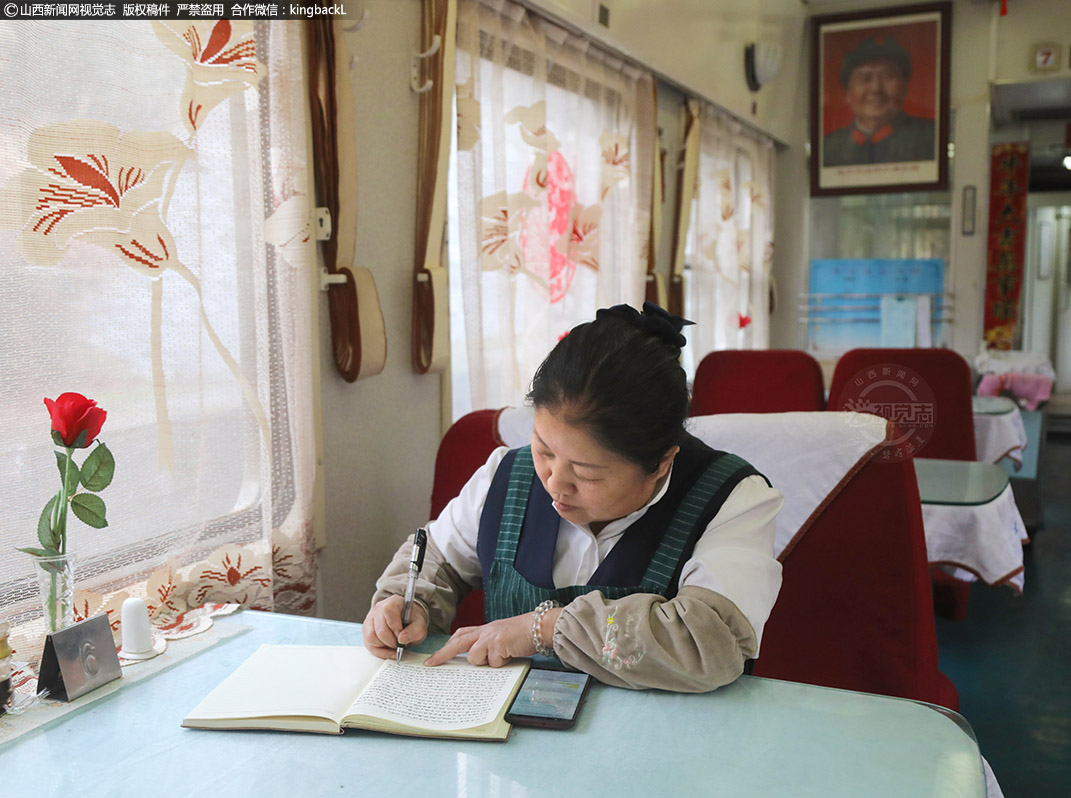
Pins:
x: 1010, y: 659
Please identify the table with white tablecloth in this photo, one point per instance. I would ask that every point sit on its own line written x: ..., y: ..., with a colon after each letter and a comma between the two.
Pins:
x: 999, y: 431
x: 973, y: 527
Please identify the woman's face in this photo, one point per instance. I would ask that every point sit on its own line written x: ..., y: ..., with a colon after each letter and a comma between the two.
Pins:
x: 588, y: 483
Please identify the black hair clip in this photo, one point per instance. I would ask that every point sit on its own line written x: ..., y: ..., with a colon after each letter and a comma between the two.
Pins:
x: 654, y: 320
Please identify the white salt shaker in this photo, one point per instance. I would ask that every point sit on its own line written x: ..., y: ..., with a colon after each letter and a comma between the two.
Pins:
x: 137, y: 633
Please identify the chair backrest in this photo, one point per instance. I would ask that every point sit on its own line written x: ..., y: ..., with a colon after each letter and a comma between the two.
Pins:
x: 464, y: 448
x: 904, y: 385
x: 757, y: 381
x: 855, y: 609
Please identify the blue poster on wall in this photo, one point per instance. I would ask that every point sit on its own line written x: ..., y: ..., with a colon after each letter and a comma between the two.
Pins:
x: 875, y: 302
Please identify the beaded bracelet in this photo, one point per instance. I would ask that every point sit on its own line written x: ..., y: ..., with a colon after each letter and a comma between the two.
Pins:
x: 537, y: 620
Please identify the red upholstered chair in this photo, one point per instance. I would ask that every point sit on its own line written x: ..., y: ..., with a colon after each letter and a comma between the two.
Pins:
x: 855, y: 608
x: 464, y: 448
x: 943, y: 375
x: 757, y: 381
x: 945, y: 379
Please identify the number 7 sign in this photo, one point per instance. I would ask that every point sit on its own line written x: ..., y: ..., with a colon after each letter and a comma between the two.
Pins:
x: 1046, y: 57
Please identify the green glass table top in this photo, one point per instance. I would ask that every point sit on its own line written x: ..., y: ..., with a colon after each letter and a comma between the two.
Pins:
x: 992, y: 405
x: 958, y: 482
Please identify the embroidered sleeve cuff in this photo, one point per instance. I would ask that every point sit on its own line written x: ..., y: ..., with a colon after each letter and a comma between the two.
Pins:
x: 695, y: 642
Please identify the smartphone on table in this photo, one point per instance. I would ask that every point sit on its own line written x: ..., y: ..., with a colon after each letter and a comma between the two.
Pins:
x: 549, y: 699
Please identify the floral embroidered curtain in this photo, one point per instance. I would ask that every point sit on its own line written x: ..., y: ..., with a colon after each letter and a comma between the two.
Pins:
x: 154, y: 256
x: 550, y: 201
x: 730, y: 239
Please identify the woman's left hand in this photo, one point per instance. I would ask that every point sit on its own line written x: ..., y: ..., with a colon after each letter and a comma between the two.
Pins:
x: 493, y: 644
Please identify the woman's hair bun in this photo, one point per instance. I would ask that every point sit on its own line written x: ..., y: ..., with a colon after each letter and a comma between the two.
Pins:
x: 654, y: 321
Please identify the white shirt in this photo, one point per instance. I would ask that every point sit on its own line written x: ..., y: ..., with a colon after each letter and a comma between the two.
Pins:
x: 733, y: 557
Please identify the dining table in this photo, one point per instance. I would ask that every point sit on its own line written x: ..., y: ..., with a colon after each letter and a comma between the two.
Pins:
x: 973, y: 527
x: 754, y: 736
x: 999, y: 431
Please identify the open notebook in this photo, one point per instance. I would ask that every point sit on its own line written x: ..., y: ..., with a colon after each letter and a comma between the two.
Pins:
x: 331, y: 688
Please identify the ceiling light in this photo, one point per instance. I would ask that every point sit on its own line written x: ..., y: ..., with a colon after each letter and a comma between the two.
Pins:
x: 1067, y: 162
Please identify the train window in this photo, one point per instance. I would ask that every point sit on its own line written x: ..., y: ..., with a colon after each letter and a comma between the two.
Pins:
x: 549, y: 196
x: 729, y: 248
x: 137, y: 271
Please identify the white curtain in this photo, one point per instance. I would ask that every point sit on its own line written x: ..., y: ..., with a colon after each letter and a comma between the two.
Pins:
x: 730, y: 242
x: 550, y: 201
x: 154, y: 256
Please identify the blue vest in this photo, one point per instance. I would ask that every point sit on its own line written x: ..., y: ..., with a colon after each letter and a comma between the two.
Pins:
x: 519, y: 532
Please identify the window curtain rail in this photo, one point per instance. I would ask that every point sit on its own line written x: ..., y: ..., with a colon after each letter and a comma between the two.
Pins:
x: 541, y: 10
x: 431, y: 315
x: 685, y: 194
x: 358, y: 335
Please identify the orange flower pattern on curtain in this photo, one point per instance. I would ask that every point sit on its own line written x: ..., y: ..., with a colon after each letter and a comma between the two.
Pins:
x: 615, y: 160
x: 468, y: 116
x: 89, y: 180
x: 221, y: 60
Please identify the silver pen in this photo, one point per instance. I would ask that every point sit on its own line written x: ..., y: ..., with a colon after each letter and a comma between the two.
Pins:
x: 416, y: 561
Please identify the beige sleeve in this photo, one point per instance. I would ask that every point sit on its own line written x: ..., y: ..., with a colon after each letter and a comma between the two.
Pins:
x: 439, y: 588
x: 693, y: 643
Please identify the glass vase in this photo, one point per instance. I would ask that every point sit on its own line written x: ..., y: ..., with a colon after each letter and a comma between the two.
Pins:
x: 55, y: 579
x: 5, y: 666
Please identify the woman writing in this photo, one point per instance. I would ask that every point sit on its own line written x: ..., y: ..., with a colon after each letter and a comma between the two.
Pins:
x: 616, y: 541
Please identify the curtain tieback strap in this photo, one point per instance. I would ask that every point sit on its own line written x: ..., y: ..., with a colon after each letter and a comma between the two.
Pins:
x: 431, y: 310
x: 358, y: 334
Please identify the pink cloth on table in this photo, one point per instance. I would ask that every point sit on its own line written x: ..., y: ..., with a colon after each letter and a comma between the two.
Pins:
x: 1030, y: 389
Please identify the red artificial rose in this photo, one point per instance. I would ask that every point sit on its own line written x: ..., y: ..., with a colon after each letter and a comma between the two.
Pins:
x: 71, y: 414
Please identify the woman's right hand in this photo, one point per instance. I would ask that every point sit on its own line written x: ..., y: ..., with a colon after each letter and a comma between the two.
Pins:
x: 382, y: 627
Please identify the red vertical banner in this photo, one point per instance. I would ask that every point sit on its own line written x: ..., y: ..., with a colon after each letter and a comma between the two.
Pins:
x: 1009, y: 178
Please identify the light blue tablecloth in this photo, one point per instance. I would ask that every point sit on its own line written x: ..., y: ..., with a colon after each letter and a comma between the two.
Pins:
x: 756, y: 737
